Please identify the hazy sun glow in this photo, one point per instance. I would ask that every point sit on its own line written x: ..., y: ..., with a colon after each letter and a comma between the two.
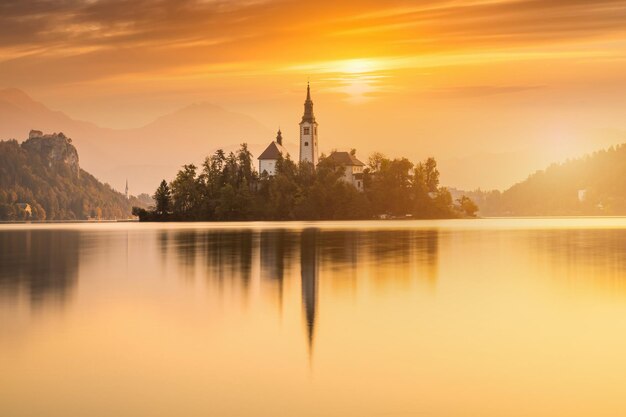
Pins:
x: 356, y: 79
x: 358, y: 66
x: 357, y: 88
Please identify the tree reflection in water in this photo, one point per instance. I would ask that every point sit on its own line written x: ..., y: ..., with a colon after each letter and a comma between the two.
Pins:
x: 309, y: 255
x: 43, y: 264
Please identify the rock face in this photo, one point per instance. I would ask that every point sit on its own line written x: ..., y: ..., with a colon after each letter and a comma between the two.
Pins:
x: 56, y: 149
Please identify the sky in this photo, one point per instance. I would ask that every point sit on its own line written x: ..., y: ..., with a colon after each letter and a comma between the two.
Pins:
x: 474, y: 80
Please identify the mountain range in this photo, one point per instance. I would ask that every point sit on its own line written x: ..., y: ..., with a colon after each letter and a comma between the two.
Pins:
x: 143, y: 155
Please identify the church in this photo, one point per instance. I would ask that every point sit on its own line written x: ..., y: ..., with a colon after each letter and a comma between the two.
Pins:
x: 309, y: 149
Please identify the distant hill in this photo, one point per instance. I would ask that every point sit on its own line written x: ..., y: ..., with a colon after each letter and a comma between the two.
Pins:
x: 41, y: 179
x: 592, y: 185
x: 144, y: 155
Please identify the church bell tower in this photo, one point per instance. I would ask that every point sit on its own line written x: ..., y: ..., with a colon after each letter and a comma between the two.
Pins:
x: 308, y: 132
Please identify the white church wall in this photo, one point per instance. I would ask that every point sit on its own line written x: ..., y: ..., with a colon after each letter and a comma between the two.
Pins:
x: 268, y: 165
x: 308, y: 143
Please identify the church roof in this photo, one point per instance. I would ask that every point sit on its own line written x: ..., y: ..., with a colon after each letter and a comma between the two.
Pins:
x: 273, y: 151
x: 345, y: 158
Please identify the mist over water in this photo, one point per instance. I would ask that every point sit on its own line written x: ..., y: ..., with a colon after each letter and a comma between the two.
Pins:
x: 485, y: 317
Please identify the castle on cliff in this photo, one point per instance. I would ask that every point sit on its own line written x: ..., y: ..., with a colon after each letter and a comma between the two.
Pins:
x: 309, y: 150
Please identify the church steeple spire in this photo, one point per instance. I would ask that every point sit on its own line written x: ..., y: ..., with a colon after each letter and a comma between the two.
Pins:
x: 308, y: 106
x: 279, y: 137
x: 308, y: 132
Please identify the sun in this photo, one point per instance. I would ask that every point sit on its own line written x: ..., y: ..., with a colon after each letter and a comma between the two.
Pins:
x: 357, y: 66
x: 358, y: 79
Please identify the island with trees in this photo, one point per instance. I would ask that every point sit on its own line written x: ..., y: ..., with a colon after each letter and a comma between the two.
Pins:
x: 228, y: 188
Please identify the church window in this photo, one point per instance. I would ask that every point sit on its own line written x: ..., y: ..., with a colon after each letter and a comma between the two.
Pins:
x: 306, y: 143
x: 306, y: 131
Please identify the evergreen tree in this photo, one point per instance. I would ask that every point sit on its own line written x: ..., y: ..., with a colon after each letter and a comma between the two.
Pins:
x: 163, y: 199
x: 186, y: 193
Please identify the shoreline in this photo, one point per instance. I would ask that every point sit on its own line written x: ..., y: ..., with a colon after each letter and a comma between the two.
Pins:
x: 68, y: 221
x: 551, y: 217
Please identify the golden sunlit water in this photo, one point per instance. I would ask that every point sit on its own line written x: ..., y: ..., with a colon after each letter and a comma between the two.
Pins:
x: 492, y: 317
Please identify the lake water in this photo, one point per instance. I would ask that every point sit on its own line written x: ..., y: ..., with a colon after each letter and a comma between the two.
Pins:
x: 515, y: 317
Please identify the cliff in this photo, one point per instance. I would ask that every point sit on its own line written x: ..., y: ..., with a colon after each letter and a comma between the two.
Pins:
x: 55, y: 150
x: 41, y: 179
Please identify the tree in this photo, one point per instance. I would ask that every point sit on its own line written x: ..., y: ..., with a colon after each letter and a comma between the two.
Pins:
x: 427, y: 174
x: 141, y: 213
x: 163, y: 199
x: 375, y: 161
x: 186, y: 193
x: 244, y: 160
x: 467, y: 206
x: 443, y: 202
x: 388, y: 185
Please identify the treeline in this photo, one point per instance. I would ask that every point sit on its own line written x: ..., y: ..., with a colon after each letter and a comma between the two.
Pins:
x: 592, y: 185
x: 227, y: 187
x: 53, y: 191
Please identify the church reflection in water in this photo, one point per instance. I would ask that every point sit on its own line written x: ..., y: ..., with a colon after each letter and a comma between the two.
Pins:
x: 230, y: 260
x: 344, y: 259
x: 309, y: 270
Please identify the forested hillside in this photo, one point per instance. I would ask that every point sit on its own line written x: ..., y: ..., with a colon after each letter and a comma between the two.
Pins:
x: 41, y: 179
x: 592, y: 185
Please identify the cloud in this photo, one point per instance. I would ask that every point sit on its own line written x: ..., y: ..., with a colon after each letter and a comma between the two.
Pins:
x: 88, y: 40
x: 71, y: 23
x: 478, y: 91
x: 459, y: 24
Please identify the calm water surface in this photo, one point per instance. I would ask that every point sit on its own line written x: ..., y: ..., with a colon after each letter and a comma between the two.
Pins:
x: 452, y: 318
